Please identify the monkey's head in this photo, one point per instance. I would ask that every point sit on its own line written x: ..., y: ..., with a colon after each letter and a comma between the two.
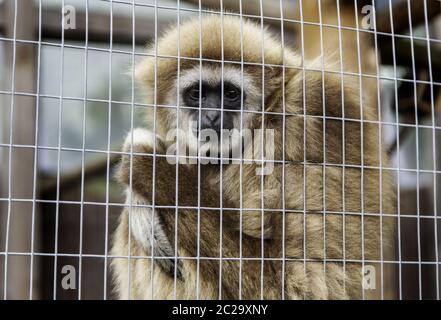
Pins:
x: 210, y: 78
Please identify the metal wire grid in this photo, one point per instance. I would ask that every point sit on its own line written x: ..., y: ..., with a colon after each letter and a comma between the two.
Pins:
x: 87, y: 47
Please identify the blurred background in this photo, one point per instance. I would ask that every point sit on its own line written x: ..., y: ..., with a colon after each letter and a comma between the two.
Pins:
x: 66, y: 103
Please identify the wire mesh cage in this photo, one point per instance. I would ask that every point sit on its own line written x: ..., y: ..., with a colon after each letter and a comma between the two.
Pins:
x: 319, y: 178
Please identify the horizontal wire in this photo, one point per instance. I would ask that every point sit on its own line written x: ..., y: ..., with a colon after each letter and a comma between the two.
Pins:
x: 266, y: 210
x: 237, y: 160
x: 275, y: 113
x: 257, y: 259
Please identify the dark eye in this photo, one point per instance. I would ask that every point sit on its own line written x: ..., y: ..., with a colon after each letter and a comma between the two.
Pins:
x: 194, y: 93
x: 232, y: 94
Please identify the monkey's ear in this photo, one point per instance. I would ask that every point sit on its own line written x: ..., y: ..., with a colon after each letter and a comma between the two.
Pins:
x: 142, y: 71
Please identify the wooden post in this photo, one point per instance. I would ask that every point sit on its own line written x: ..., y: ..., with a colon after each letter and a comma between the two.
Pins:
x: 22, y: 127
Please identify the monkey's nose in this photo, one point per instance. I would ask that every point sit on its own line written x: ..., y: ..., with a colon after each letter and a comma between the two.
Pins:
x: 211, y: 120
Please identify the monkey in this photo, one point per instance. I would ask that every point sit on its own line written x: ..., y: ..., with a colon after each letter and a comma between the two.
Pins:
x: 306, y: 228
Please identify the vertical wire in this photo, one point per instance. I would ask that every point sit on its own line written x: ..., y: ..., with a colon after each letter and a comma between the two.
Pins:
x: 262, y: 190
x: 221, y: 154
x: 130, y: 200
x: 60, y: 117
x: 302, y: 31
x: 178, y: 148
x: 8, y: 221
x: 415, y: 93
x: 398, y: 151
x: 361, y: 142
x: 241, y: 148
x: 83, y: 148
x: 34, y: 188
x: 109, y: 133
x: 155, y: 89
x: 322, y: 54
x: 380, y: 150
x: 199, y: 140
x: 199, y: 162
x: 282, y: 33
x: 429, y: 57
x: 343, y: 139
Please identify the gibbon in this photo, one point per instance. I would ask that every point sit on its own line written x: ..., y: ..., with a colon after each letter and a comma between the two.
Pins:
x: 305, y: 229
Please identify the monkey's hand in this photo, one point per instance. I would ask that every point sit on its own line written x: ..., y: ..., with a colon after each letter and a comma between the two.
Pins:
x: 151, y: 173
x: 136, y: 167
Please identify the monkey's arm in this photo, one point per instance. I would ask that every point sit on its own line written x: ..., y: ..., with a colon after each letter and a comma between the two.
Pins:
x: 135, y: 171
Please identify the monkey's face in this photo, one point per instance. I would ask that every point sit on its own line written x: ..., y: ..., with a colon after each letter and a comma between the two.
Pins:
x: 215, y: 105
x: 212, y: 99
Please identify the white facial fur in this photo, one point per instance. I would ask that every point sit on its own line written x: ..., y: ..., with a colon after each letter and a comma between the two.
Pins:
x: 214, y: 75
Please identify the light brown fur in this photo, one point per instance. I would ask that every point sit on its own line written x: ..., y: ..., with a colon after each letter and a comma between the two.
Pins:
x: 323, y: 275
